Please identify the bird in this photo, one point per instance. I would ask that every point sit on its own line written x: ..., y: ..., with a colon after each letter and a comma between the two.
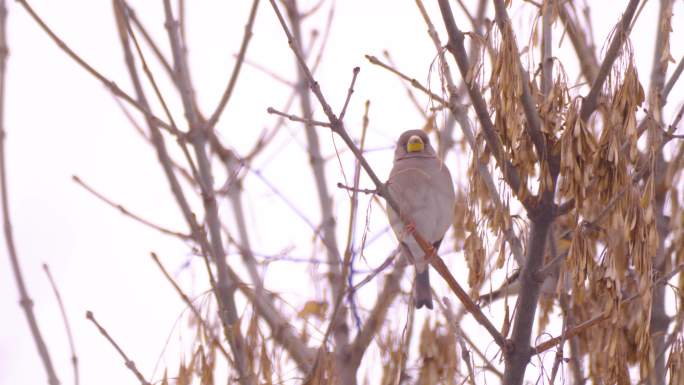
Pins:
x: 423, y: 190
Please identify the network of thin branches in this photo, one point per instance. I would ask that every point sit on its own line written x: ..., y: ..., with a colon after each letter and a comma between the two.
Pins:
x: 571, y: 202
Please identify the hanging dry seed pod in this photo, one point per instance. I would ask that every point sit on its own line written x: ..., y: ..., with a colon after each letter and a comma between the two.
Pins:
x: 607, y: 358
x: 460, y: 210
x: 506, y: 85
x: 580, y: 262
x: 675, y: 363
x: 610, y: 167
x: 627, y: 98
x: 553, y: 110
x: 438, y: 360
x: 578, y: 148
x: 392, y: 358
x: 474, y: 252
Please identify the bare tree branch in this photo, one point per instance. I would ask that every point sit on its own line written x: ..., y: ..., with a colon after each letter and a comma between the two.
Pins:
x: 673, y: 79
x: 338, y: 325
x: 281, y: 327
x: 106, y: 82
x: 24, y: 299
x: 575, y: 359
x: 569, y: 333
x: 373, y: 323
x: 534, y: 124
x: 129, y: 364
x: 457, y: 49
x: 583, y: 49
x: 660, y: 321
x: 150, y: 42
x: 547, y: 49
x: 590, y: 102
x: 198, y: 137
x: 127, y: 213
x: 294, y: 118
x: 189, y: 304
x: 236, y: 70
x: 415, y: 83
x: 65, y: 319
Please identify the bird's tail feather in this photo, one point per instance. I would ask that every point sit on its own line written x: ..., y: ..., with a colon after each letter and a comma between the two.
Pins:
x: 423, y: 293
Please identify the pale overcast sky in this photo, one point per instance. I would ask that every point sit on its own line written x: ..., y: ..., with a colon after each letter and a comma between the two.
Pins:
x: 61, y: 122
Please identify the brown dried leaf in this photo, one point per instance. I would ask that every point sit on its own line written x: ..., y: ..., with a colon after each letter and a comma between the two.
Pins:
x: 313, y: 309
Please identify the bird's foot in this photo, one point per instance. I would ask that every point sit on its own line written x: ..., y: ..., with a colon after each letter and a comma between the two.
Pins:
x: 410, y: 228
x: 431, y: 254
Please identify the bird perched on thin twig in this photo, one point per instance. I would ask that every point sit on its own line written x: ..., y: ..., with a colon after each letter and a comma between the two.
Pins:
x: 422, y: 188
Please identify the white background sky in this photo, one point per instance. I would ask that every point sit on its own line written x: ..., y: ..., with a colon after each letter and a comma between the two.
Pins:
x: 60, y: 121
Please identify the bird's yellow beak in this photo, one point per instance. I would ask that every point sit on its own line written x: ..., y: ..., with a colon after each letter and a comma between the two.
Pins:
x: 415, y: 144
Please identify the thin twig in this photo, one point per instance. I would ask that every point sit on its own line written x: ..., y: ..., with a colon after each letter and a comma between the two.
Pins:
x: 267, y: 71
x: 591, y: 100
x: 295, y: 118
x: 584, y: 50
x: 155, y: 136
x: 24, y: 299
x: 150, y: 42
x: 567, y: 319
x: 189, y: 304
x: 129, y: 364
x: 388, y: 261
x: 570, y: 333
x: 454, y: 322
x: 356, y: 189
x: 187, y: 175
x: 673, y: 336
x: 349, y: 94
x: 575, y: 358
x: 466, y: 356
x: 180, y: 137
x: 420, y: 107
x: 415, y: 83
x: 234, y: 191
x: 673, y: 79
x: 371, y: 326
x: 547, y: 49
x: 349, y: 255
x: 660, y: 282
x: 281, y: 327
x: 236, y: 70
x: 127, y: 213
x: 106, y: 82
x: 65, y: 319
x: 675, y: 123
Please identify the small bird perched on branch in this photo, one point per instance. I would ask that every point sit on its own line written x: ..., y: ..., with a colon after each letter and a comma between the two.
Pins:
x: 421, y: 185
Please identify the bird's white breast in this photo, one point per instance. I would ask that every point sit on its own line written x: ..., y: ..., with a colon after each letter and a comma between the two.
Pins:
x: 422, y: 188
